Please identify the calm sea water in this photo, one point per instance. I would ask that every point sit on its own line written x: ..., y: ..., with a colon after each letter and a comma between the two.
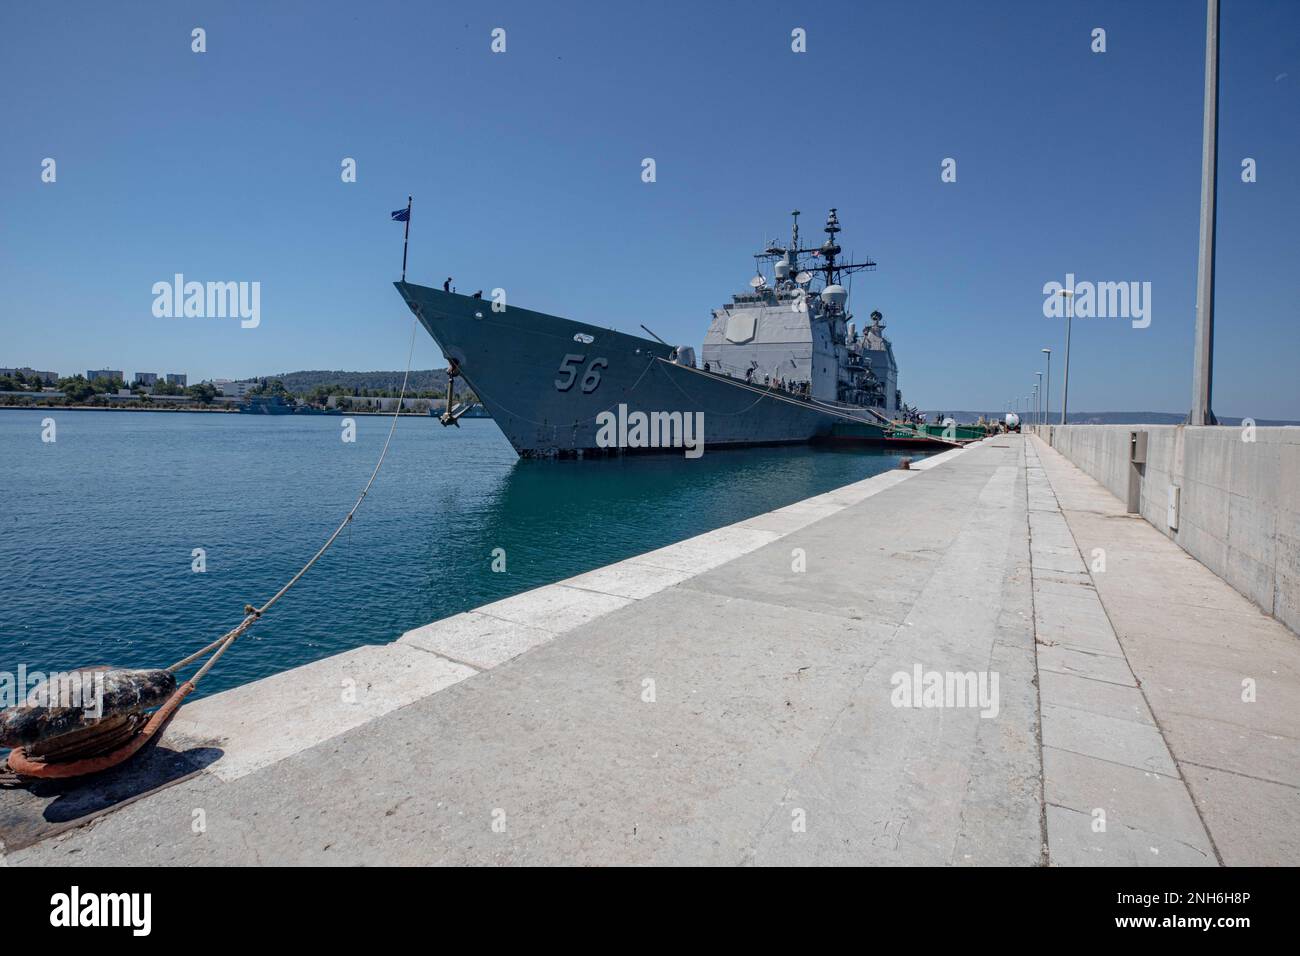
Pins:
x: 97, y: 528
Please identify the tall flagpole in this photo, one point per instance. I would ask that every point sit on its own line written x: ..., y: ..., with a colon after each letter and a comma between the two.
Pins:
x: 406, y: 238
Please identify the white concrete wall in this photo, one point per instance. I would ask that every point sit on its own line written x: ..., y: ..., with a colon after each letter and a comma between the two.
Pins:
x: 1240, y: 507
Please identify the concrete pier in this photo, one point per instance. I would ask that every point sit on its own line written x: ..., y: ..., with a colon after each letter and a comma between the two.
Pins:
x: 984, y: 660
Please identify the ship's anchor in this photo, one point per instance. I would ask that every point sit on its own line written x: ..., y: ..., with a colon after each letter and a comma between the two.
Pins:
x: 450, y: 417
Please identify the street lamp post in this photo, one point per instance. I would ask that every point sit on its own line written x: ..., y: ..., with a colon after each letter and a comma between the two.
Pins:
x: 1038, y: 390
x: 1068, y: 295
x: 1047, y: 395
x: 1203, y: 354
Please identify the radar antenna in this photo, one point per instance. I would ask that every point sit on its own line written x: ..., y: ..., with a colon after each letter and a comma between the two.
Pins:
x: 824, y: 257
x: 829, y: 251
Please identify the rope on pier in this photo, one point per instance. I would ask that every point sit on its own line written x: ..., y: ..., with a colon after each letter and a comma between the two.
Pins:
x: 100, y: 747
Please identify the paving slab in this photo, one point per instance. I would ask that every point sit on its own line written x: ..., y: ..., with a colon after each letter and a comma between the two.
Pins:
x: 1113, y: 739
x: 1261, y: 831
x: 260, y: 723
x: 1075, y: 842
x: 1100, y: 697
x: 1081, y: 662
x: 1139, y: 800
x: 477, y: 640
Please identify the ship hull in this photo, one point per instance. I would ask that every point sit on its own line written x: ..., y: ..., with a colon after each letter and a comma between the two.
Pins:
x: 552, y: 384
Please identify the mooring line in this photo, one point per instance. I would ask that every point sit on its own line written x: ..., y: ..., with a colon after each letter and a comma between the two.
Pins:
x: 251, y: 614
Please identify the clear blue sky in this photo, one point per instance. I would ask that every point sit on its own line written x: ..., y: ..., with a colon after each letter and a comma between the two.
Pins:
x: 525, y: 168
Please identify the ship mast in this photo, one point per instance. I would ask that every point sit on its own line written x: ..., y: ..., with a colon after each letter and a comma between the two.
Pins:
x: 826, y: 254
x: 830, y: 249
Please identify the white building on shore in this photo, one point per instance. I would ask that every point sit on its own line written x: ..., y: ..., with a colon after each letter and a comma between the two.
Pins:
x: 233, y: 389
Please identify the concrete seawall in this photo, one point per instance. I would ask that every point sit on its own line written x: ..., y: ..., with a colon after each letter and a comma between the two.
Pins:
x: 1238, y: 497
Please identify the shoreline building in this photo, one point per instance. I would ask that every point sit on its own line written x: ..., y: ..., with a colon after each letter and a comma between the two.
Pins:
x: 48, y: 378
x: 231, y: 389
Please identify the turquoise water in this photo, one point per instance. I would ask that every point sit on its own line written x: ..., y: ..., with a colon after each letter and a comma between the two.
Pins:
x: 98, y: 528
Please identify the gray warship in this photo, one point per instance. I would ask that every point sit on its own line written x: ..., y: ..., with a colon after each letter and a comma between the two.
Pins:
x: 781, y: 363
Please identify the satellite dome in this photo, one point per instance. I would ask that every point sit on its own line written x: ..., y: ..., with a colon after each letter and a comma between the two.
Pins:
x: 835, y: 295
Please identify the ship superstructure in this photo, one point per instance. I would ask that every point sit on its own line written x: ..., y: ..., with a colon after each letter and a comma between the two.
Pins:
x: 797, y: 328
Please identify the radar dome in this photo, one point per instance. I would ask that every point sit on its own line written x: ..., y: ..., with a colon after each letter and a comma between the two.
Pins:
x: 835, y: 295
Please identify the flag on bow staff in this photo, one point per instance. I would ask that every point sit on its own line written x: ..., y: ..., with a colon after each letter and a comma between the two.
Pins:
x: 404, y: 215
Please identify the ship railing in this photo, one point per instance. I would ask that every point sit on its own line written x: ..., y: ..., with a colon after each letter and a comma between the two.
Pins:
x: 732, y: 371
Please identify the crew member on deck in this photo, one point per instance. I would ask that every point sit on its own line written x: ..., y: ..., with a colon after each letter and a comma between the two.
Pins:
x: 446, y: 286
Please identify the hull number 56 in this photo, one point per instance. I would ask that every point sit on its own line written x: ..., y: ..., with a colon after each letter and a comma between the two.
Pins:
x: 568, y: 372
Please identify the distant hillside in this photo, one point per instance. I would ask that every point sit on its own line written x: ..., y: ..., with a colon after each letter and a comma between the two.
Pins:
x: 1105, y: 418
x: 430, y: 380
